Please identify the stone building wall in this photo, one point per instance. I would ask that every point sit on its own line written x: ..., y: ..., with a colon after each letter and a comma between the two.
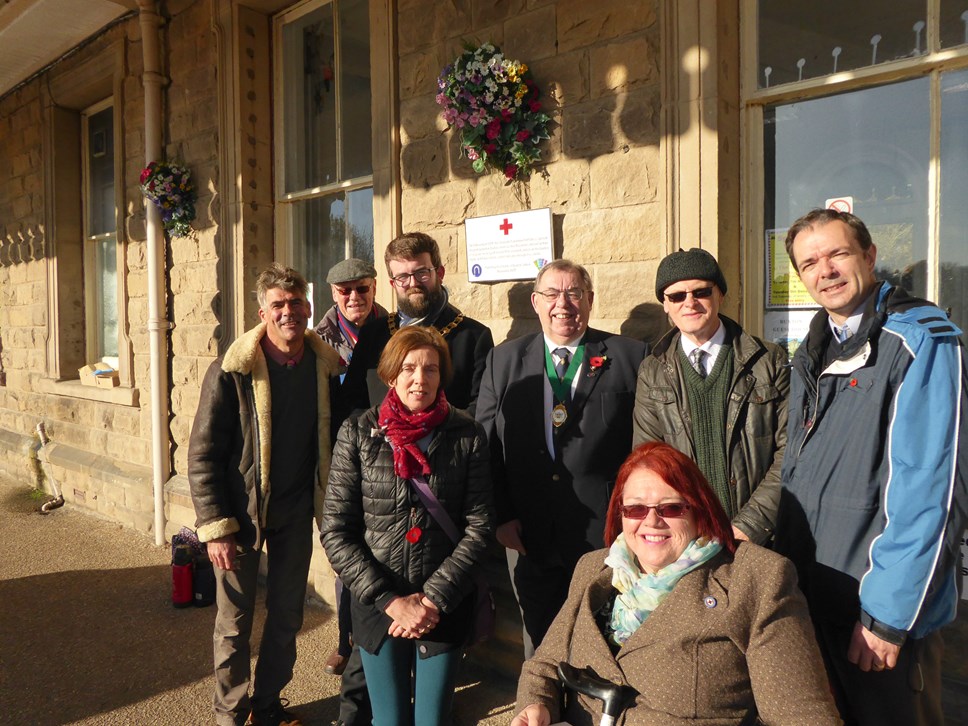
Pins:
x: 596, y: 65
x: 102, y: 449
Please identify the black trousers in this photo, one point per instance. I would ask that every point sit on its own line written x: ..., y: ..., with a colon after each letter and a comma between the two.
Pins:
x: 354, y: 699
x: 540, y: 591
x: 908, y: 694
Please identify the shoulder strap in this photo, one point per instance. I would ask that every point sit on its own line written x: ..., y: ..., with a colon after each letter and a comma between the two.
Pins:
x: 435, y: 508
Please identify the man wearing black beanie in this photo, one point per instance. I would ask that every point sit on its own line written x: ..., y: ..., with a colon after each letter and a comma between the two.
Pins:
x: 716, y: 393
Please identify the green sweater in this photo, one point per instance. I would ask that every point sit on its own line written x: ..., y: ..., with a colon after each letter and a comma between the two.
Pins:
x: 706, y: 398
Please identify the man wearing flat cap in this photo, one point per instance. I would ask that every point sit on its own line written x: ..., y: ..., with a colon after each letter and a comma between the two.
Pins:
x: 353, y: 283
x: 716, y: 393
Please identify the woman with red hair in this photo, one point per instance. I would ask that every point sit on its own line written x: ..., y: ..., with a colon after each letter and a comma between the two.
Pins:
x: 702, y: 627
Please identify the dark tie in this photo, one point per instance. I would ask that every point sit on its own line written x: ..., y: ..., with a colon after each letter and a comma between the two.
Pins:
x: 698, y: 361
x: 561, y: 367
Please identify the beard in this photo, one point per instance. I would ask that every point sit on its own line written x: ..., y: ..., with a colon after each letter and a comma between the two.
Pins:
x: 416, y: 302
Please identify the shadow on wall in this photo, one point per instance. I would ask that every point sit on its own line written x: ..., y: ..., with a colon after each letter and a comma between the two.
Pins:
x: 524, y: 321
x: 646, y: 321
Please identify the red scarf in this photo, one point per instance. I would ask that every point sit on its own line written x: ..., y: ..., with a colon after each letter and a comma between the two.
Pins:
x: 404, y: 429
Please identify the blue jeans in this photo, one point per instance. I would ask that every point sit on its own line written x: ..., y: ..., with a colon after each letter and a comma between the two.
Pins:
x: 400, y: 672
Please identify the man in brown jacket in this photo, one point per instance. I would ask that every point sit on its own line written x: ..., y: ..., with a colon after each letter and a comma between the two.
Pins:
x: 717, y: 394
x: 258, y: 461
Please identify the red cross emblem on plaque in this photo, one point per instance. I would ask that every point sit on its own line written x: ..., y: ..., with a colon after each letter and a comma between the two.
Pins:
x: 506, y: 227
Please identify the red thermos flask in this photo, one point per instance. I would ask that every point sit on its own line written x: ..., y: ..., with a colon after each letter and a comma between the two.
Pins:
x: 182, y: 589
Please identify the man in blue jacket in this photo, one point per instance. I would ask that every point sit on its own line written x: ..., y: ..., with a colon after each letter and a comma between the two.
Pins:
x: 874, y: 488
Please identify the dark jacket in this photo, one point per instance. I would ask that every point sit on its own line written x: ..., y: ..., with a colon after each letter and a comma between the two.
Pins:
x: 560, y: 498
x: 874, y: 486
x: 369, y: 510
x: 756, y: 420
x: 230, y: 446
x: 469, y: 342
x: 732, y: 637
x: 328, y: 329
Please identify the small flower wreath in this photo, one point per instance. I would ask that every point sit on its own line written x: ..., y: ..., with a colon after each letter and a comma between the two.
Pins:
x: 170, y: 188
x: 494, y: 103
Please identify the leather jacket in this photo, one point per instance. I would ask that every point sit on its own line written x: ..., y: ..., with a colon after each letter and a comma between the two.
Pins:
x: 756, y: 420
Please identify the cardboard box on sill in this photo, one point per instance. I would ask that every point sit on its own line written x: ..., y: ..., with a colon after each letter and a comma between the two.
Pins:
x: 98, y: 374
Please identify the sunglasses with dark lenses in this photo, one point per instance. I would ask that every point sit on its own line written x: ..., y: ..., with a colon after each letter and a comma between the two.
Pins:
x: 360, y: 290
x: 679, y: 297
x: 670, y: 510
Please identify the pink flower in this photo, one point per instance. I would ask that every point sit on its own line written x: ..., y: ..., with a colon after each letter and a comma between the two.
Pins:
x: 511, y: 171
x: 471, y: 153
x: 523, y: 135
x: 146, y: 172
x: 494, y: 129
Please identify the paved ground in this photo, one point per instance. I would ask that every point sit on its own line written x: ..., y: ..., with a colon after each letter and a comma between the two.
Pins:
x: 88, y: 634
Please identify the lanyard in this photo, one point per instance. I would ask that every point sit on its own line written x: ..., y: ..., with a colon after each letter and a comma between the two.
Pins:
x: 562, y: 388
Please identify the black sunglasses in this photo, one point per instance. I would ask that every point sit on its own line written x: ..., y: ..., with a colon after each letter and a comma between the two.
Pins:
x: 346, y: 291
x: 678, y: 297
x: 670, y: 510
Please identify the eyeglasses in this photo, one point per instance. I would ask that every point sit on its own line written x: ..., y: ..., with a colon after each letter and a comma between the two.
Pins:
x: 679, y: 297
x: 347, y: 291
x: 574, y: 294
x: 669, y: 510
x: 421, y: 275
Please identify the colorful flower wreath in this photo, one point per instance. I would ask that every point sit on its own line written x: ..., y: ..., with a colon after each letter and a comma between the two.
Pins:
x: 494, y: 103
x: 170, y: 187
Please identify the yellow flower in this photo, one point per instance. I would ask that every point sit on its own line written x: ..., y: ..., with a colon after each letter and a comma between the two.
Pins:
x: 522, y: 89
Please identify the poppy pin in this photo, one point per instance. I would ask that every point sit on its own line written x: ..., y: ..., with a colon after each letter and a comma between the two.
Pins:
x: 595, y: 364
x: 413, y: 536
x: 853, y: 381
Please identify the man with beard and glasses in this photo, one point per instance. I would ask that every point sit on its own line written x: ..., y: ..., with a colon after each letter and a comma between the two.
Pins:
x: 417, y: 274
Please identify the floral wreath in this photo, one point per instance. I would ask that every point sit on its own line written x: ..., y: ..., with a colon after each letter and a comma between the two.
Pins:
x: 494, y: 103
x: 170, y: 188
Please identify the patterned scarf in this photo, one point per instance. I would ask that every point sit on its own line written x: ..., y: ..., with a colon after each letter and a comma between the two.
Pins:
x: 640, y: 593
x: 404, y: 429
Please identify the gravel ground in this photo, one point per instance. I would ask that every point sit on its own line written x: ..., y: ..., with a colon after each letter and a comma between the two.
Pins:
x: 88, y: 634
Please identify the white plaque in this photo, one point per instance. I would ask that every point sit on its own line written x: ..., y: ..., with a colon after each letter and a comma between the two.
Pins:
x: 511, y: 246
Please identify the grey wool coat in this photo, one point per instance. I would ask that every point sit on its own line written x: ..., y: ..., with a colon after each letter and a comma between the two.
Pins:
x: 732, y: 638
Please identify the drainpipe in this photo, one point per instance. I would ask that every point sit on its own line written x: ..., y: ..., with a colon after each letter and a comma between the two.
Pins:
x: 158, y: 325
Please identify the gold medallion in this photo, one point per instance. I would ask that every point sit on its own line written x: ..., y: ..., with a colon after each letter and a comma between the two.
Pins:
x: 559, y: 414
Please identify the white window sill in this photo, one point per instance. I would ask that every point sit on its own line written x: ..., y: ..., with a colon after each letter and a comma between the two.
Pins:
x: 118, y: 395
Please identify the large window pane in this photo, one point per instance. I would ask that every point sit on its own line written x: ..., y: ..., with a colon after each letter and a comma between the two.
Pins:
x: 801, y: 40
x: 871, y: 145
x: 106, y: 272
x: 308, y: 60
x: 101, y: 217
x: 954, y: 22
x: 354, y: 89
x: 954, y: 182
x: 330, y: 229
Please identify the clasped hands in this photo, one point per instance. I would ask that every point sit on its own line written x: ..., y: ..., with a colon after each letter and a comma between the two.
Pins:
x: 413, y: 616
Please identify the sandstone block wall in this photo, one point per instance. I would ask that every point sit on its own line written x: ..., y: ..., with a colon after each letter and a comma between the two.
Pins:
x: 596, y: 65
x: 103, y: 448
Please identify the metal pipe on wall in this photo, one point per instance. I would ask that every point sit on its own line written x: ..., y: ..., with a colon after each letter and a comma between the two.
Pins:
x: 158, y: 325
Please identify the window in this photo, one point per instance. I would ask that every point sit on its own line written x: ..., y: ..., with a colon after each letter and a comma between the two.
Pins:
x: 100, y: 234
x: 870, y: 109
x: 87, y: 289
x: 324, y: 168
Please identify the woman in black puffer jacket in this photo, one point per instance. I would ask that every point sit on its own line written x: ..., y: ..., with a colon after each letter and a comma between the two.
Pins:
x: 412, y: 588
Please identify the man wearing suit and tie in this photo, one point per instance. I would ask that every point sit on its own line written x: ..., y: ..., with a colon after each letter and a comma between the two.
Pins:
x: 557, y: 408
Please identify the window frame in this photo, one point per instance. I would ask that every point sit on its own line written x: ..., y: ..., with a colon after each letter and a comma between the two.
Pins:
x: 93, y: 314
x: 66, y: 95
x: 384, y: 180
x: 753, y: 100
